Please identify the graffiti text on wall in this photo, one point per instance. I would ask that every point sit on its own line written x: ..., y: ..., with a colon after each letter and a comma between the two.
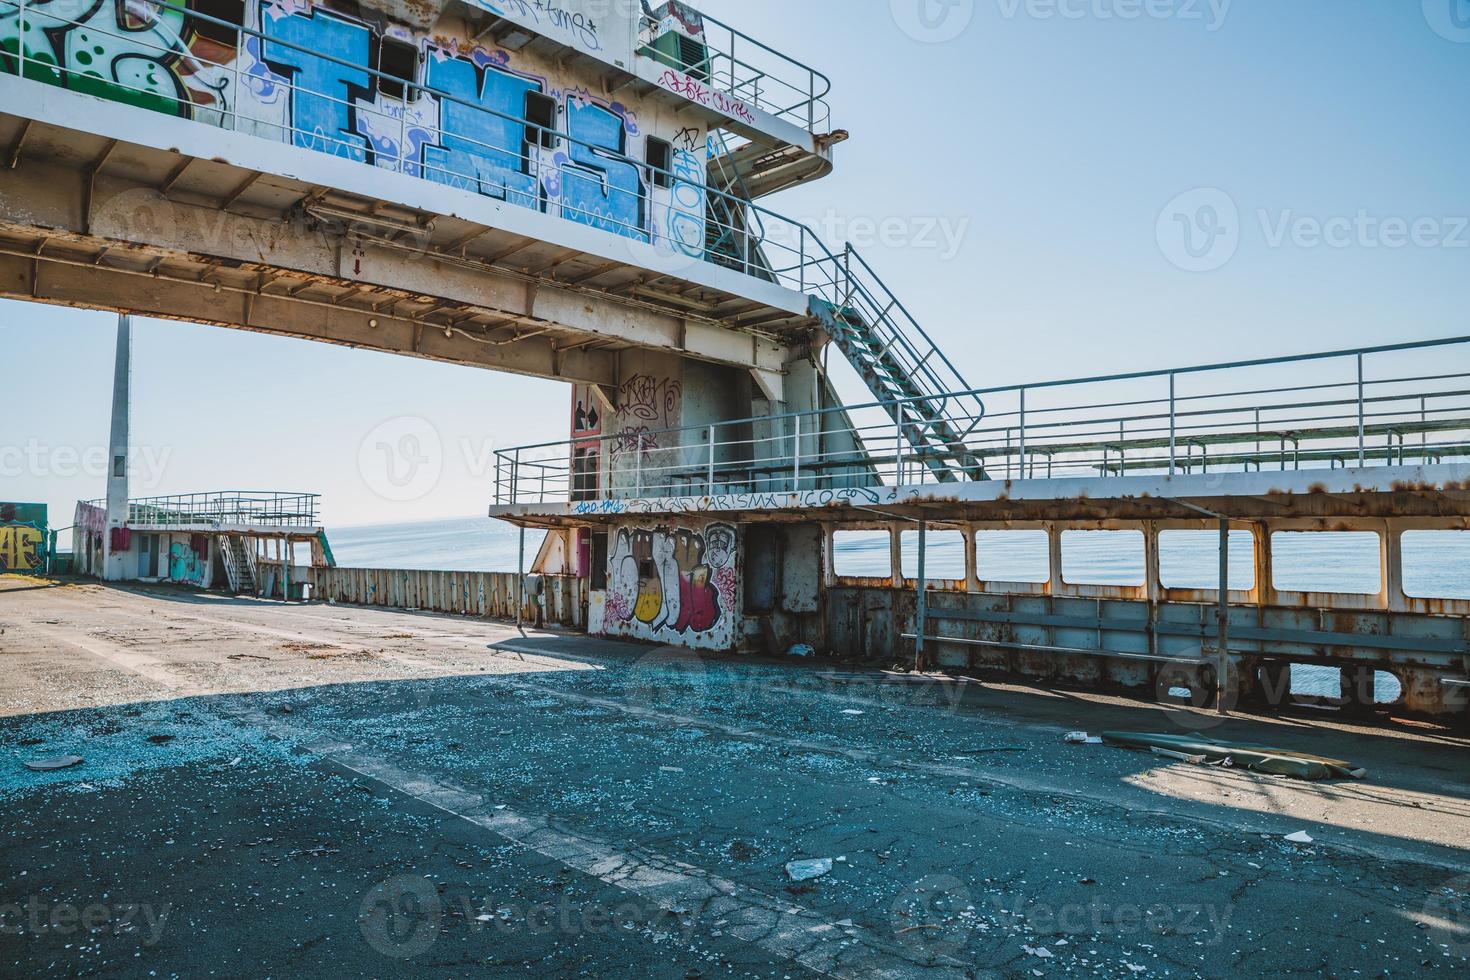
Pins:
x: 22, y: 548
x: 646, y: 406
x: 711, y: 98
x: 672, y: 579
x: 308, y: 82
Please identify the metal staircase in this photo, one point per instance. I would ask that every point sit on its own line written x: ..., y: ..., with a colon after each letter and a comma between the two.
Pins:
x: 896, y: 359
x: 732, y: 233
x: 239, y: 562
x: 920, y: 388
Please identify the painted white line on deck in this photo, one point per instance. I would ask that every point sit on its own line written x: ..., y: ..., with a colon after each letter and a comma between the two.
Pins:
x: 777, y: 926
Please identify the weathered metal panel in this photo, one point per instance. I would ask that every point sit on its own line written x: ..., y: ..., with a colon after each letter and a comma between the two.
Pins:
x: 484, y: 595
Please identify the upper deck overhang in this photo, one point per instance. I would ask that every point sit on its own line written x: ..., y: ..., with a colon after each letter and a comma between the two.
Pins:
x: 778, y: 104
x: 108, y: 206
x: 1438, y: 491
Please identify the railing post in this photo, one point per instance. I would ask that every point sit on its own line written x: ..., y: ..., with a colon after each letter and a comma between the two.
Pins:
x: 403, y: 129
x: 20, y: 40
x: 1173, y: 425
x: 239, y: 57
x: 712, y: 461
x: 796, y: 455
x: 921, y: 604
x: 1022, y: 436
x: 898, y: 445
x: 638, y: 468
x: 1362, y: 418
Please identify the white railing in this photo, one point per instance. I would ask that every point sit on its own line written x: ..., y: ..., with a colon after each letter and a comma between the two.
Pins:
x: 1392, y: 405
x: 223, y: 508
x: 753, y: 72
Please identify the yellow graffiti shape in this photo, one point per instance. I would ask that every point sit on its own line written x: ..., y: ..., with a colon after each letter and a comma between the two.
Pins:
x: 20, y: 549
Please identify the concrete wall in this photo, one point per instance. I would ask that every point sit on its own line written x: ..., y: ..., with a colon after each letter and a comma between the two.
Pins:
x: 181, y: 65
x: 672, y: 581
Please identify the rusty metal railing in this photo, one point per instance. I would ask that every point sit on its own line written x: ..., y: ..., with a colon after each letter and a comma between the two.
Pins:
x: 1389, y: 405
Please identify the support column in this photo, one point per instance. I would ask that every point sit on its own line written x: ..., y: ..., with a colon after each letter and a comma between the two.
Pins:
x: 114, y: 562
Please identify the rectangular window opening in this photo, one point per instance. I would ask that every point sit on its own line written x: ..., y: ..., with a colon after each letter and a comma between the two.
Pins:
x: 1336, y: 562
x: 660, y: 156
x: 862, y: 554
x: 399, y: 63
x: 1102, y: 558
x: 1191, y: 560
x: 1013, y: 556
x: 541, y: 118
x: 944, y: 555
x: 1434, y: 564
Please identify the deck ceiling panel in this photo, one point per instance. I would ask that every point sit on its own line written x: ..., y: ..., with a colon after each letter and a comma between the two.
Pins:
x: 140, y: 211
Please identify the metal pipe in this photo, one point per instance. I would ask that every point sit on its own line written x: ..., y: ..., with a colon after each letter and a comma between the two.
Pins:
x: 521, y: 585
x: 1222, y: 669
x: 711, y: 461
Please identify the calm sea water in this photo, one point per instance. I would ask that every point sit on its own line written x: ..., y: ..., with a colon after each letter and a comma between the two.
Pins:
x: 1436, y: 564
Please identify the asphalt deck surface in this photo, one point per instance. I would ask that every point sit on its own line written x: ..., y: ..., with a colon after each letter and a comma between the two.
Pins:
x: 276, y: 791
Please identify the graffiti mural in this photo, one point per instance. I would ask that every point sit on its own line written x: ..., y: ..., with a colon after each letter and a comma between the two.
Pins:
x: 22, y: 548
x: 461, y: 115
x: 188, y: 563
x: 671, y: 583
x: 23, y: 537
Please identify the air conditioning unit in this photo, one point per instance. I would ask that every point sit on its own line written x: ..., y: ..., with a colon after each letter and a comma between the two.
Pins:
x: 676, y: 38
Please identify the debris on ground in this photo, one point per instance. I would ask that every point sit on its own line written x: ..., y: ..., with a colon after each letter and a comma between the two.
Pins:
x: 853, y: 711
x: 802, y: 650
x: 1081, y: 738
x: 1300, y: 837
x: 807, y: 870
x: 1267, y: 761
x: 1196, y: 760
x: 53, y: 764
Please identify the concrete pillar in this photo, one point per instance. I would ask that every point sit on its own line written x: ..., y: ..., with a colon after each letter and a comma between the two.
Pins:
x: 114, y: 564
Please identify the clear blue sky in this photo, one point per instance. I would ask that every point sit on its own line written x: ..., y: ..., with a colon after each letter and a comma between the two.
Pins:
x: 1050, y: 136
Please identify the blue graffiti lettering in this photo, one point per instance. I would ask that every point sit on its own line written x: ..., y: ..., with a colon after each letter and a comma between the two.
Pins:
x: 481, y: 151
x: 597, y: 189
x: 320, y: 121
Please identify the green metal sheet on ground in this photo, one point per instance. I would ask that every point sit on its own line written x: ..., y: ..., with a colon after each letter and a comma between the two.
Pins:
x: 1269, y: 761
